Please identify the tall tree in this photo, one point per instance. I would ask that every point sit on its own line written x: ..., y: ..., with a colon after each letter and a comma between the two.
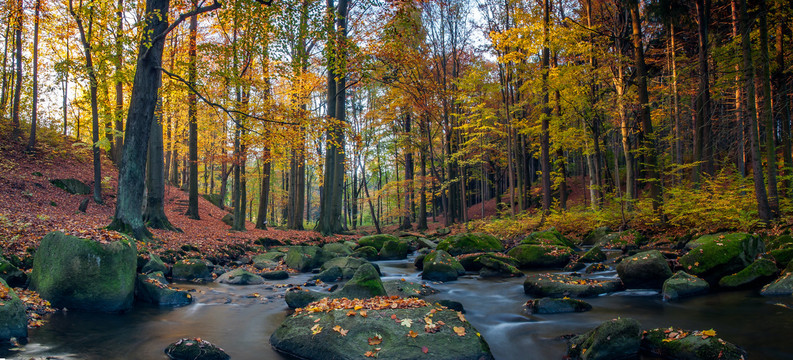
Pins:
x: 35, y: 108
x: 545, y: 157
x: 770, y: 137
x: 154, y: 214
x: 703, y: 139
x: 192, y: 115
x: 19, y: 10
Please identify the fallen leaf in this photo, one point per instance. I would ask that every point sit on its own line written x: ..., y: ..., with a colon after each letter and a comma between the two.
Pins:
x: 316, y: 329
x: 376, y: 340
x: 412, y: 334
x: 424, y: 349
x: 406, y: 322
x: 460, y: 331
x: 710, y: 332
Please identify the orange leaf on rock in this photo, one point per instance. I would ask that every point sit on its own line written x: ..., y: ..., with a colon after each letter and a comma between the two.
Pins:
x: 376, y: 340
x: 424, y: 349
x: 412, y: 333
x: 459, y: 330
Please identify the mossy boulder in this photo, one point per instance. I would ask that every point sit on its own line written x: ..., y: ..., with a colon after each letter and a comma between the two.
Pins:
x: 11, y: 274
x: 547, y: 237
x: 424, y: 243
x: 783, y: 256
x: 780, y: 242
x: 780, y: 287
x: 72, y: 186
x: 154, y: 264
x: 758, y: 272
x: 304, y: 258
x: 300, y: 297
x: 541, y: 256
x: 268, y: 260
x: 365, y: 283
x: 394, y: 250
x: 348, y: 265
x: 596, y: 268
x: 495, y: 266
x: 153, y: 288
x: 683, y: 284
x: 594, y: 255
x: 337, y: 249
x: 295, y: 338
x: 331, y: 274
x: 376, y: 241
x: 596, y: 235
x: 470, y: 243
x: 366, y: 252
x: 557, y: 306
x: 228, y: 219
x: 618, y: 239
x: 473, y: 262
x: 192, y: 269
x: 612, y: 340
x: 275, y: 275
x: 559, y: 285
x: 404, y: 288
x: 574, y: 266
x: 240, y: 276
x: 441, y: 266
x: 195, y: 349
x: 82, y: 274
x: 715, y: 256
x: 13, y: 321
x: 671, y: 343
x: 645, y: 270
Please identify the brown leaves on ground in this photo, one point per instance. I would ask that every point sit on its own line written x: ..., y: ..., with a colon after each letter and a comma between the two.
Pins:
x: 375, y: 303
x: 35, y: 306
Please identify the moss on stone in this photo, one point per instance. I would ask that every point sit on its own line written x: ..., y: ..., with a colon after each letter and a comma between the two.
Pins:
x: 376, y: 241
x: 540, y: 256
x: 470, y: 243
x: 715, y: 256
x: 441, y: 266
x: 756, y: 271
x: 682, y: 284
x: 192, y: 269
x: 394, y: 250
x: 547, y: 237
x: 688, y: 344
x: 365, y: 283
x: 613, y: 339
x: 13, y: 321
x: 84, y: 274
x: 594, y: 254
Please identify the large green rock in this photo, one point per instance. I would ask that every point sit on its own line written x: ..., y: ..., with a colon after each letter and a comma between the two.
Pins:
x: 154, y: 264
x: 240, y: 276
x: 681, y: 344
x: 780, y: 287
x: 496, y: 266
x: 783, y: 256
x: 365, y: 283
x: 645, y: 270
x: 404, y: 288
x: 761, y: 269
x: 376, y: 241
x: 683, y: 284
x: 13, y: 321
x: 348, y: 265
x: 715, y: 256
x: 304, y: 258
x: 547, y: 237
x: 557, y: 306
x: 394, y: 250
x: 11, y: 274
x: 780, y: 242
x: 366, y: 252
x: 596, y: 236
x: 195, y: 349
x: 594, y: 255
x: 296, y: 338
x: 153, y: 288
x: 82, y: 274
x: 331, y: 274
x: 612, y: 340
x: 338, y: 249
x: 541, y: 256
x: 192, y: 269
x: 72, y: 186
x: 470, y: 243
x: 268, y: 260
x: 441, y: 266
x: 559, y: 285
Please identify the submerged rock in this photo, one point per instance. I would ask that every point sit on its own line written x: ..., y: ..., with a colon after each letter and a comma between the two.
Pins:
x: 13, y: 321
x: 646, y: 270
x: 153, y: 288
x: 195, y: 349
x: 557, y: 306
x: 240, y: 277
x: 558, y: 285
x: 401, y: 333
x: 441, y: 266
x: 83, y: 274
x: 275, y: 275
x: 674, y: 343
x: 612, y: 340
x: 682, y: 284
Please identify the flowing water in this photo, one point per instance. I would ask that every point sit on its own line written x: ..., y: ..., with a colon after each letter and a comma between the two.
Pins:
x: 231, y: 317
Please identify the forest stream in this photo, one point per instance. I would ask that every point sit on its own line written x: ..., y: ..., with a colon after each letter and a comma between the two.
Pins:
x: 241, y: 323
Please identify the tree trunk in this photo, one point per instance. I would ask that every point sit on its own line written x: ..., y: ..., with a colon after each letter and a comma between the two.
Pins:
x: 154, y: 215
x: 35, y: 100
x: 545, y: 156
x: 261, y: 217
x: 770, y: 137
x: 127, y: 217
x: 408, y: 174
x: 192, y: 114
x: 17, y: 132
x: 763, y: 208
x: 703, y: 148
x: 783, y: 107
x: 119, y: 59
x: 651, y: 168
